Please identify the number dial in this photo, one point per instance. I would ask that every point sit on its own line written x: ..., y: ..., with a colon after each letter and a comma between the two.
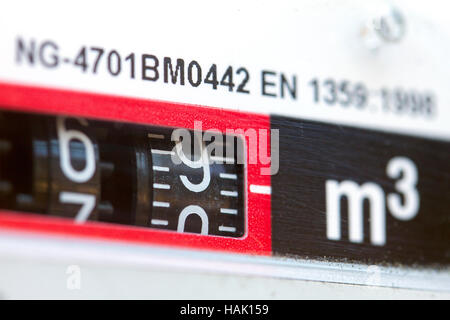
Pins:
x: 215, y: 188
x: 90, y: 170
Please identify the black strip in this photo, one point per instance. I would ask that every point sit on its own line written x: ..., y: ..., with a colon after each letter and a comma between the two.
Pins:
x: 312, y: 153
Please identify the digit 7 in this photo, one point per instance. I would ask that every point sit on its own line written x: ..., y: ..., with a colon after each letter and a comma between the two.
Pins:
x: 100, y: 52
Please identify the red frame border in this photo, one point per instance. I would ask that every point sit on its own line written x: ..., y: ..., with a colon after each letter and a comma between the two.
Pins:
x: 107, y: 107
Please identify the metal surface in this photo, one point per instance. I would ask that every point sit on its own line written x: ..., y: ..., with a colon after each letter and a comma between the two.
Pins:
x: 118, y: 260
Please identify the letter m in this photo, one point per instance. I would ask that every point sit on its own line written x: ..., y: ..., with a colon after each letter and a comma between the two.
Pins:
x: 355, y: 195
x: 169, y: 70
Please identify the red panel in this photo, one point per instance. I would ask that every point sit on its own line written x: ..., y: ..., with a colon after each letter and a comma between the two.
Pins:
x: 53, y: 101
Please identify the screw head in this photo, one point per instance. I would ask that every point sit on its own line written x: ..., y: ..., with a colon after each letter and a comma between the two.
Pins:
x: 387, y: 26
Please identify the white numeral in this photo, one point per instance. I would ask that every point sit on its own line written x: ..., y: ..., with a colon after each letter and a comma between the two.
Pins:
x: 406, y: 185
x: 86, y: 200
x: 202, y: 162
x: 193, y: 209
x: 64, y: 137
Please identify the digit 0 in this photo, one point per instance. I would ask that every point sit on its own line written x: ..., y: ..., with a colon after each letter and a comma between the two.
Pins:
x: 87, y: 201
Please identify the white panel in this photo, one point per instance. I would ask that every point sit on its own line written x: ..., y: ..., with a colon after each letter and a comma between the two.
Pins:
x: 311, y: 39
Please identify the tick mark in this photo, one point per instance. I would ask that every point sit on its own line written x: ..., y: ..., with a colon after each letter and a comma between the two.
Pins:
x: 161, y: 204
x: 227, y: 193
x: 228, y: 176
x: 158, y: 168
x: 221, y: 159
x: 228, y: 211
x: 159, y: 222
x: 161, y: 186
x: 155, y: 136
x: 227, y: 229
x: 157, y: 151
